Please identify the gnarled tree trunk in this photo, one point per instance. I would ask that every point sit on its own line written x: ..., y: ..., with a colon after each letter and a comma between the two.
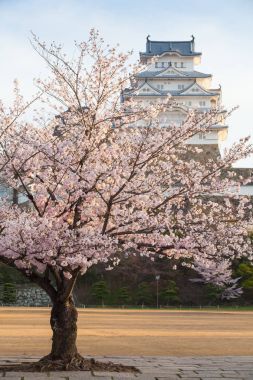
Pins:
x: 64, y: 325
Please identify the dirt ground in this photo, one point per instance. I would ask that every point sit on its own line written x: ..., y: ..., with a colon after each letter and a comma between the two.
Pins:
x: 26, y: 331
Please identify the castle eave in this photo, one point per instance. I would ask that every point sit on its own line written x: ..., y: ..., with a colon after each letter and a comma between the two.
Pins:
x: 182, y: 75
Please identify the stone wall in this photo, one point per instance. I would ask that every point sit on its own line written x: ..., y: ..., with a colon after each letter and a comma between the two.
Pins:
x: 30, y: 296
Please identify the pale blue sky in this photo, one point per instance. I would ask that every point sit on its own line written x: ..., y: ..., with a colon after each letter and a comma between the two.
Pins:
x: 223, y: 30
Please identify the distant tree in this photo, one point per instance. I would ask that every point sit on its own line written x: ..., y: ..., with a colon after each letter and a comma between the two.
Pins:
x: 100, y: 291
x: 123, y: 296
x: 170, y: 295
x: 9, y: 293
x: 5, y: 275
x: 213, y: 293
x: 245, y: 271
x: 9, y: 274
x: 143, y: 294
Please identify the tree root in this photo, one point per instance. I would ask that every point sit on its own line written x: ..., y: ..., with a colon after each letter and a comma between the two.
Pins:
x: 77, y: 363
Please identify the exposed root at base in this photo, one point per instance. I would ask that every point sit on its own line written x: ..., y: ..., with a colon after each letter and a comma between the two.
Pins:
x: 77, y: 363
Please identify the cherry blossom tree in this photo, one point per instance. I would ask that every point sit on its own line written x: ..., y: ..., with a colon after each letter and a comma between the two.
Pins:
x: 102, y: 179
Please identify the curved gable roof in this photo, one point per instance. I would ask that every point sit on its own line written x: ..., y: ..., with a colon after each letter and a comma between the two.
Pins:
x: 173, y: 70
x: 155, y: 91
x: 184, y: 48
x: 202, y: 91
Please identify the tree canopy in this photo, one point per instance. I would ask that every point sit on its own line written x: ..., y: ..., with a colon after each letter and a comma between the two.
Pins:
x: 102, y: 178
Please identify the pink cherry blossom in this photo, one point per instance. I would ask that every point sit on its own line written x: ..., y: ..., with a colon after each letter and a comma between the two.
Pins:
x: 103, y: 179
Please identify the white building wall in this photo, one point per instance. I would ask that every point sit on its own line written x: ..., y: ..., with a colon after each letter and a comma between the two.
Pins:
x: 171, y: 84
x: 210, y: 137
x: 246, y: 190
x: 182, y: 63
x: 199, y: 102
x: 204, y: 82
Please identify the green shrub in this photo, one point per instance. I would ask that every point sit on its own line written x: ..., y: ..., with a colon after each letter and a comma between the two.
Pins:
x: 9, y: 293
x: 100, y: 291
x: 170, y: 295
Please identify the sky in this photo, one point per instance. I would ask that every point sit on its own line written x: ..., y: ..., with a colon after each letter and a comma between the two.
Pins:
x: 223, y: 31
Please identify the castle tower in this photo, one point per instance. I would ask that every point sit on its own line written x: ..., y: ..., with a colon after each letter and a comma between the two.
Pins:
x: 173, y: 73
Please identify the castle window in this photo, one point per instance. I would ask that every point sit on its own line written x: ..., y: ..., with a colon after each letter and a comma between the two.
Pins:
x: 180, y: 86
x: 161, y: 64
x: 160, y: 86
x: 189, y: 103
x: 202, y: 136
x: 175, y: 64
x: 182, y: 64
x: 202, y: 103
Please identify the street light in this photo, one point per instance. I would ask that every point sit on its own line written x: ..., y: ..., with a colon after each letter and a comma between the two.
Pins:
x: 157, y: 277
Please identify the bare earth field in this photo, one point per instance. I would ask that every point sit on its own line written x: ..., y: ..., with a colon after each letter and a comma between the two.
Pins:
x: 26, y: 331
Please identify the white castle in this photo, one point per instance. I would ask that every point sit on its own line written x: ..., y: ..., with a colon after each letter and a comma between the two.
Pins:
x: 172, y: 72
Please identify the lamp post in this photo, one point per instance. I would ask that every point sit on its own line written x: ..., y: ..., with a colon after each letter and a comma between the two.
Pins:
x: 157, y: 277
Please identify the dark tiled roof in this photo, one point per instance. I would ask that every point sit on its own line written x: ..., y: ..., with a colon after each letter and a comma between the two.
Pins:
x: 185, y: 48
x: 186, y: 74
